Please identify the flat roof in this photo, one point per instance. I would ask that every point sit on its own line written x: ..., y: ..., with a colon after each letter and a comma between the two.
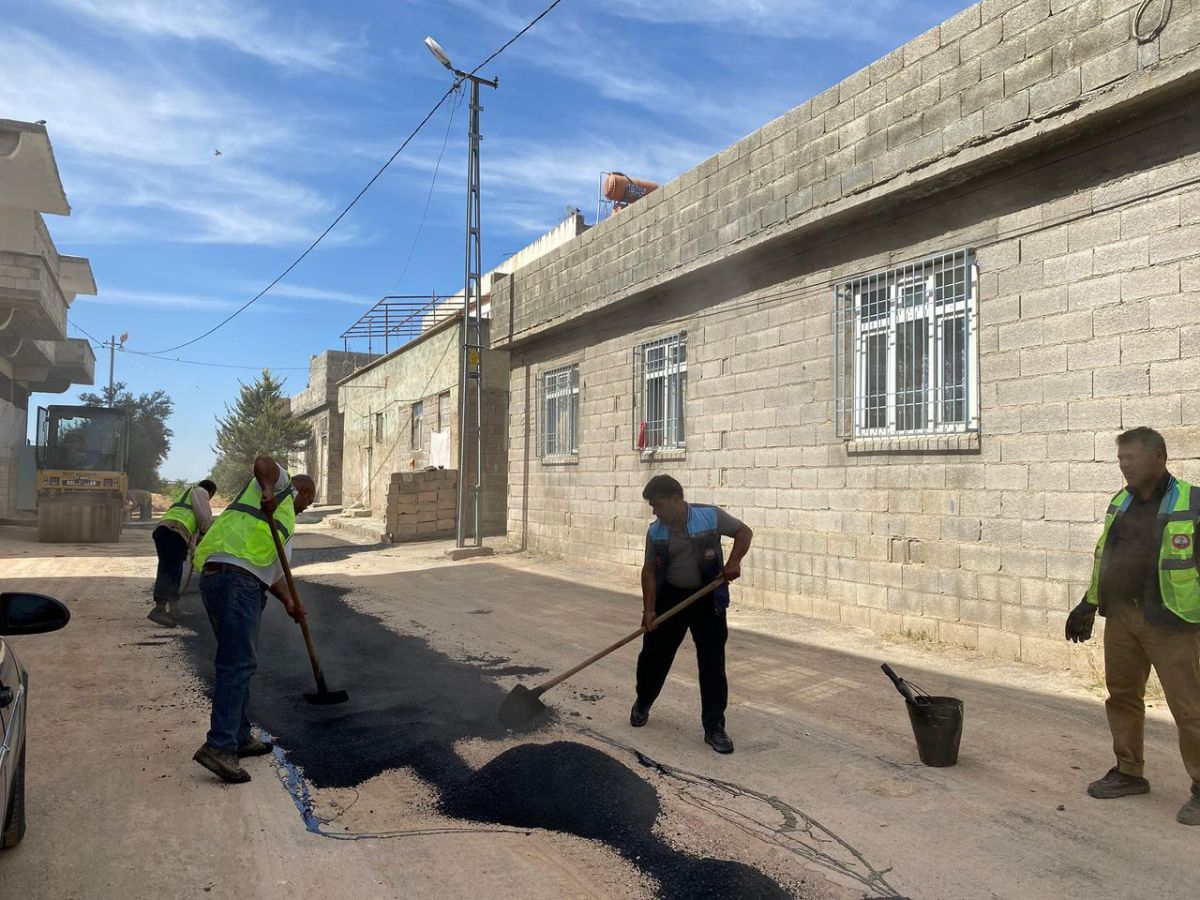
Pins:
x: 28, y: 173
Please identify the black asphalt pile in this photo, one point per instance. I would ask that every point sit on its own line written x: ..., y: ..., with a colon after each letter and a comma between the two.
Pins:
x: 409, y: 705
x: 577, y: 789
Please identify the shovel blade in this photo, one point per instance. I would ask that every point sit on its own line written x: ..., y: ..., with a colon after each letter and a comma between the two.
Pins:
x: 520, y: 707
x: 326, y: 698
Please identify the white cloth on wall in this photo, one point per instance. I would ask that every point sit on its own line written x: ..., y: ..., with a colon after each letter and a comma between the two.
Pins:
x: 439, y: 449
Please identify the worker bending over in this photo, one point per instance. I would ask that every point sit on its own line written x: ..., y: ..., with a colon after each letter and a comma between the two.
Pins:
x: 238, y: 566
x: 683, y: 553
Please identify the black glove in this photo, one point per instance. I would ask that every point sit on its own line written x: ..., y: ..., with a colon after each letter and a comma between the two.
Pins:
x: 1080, y: 622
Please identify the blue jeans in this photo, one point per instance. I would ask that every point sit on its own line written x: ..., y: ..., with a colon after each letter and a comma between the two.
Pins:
x: 234, y: 603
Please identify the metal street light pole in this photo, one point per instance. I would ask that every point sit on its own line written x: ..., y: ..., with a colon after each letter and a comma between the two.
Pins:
x: 470, y: 383
x: 112, y: 355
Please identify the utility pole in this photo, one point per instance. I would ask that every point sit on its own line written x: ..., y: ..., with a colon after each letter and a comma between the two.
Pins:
x: 112, y: 345
x: 470, y: 383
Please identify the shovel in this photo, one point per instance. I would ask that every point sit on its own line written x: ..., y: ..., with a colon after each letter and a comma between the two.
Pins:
x: 324, y: 696
x: 522, y: 704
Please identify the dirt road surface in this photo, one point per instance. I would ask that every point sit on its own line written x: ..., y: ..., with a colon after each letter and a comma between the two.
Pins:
x: 413, y: 789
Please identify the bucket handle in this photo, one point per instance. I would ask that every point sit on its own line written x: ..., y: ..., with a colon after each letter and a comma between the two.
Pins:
x: 905, y: 687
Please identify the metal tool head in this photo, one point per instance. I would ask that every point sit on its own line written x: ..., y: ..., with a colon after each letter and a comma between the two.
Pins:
x: 326, y: 698
x: 520, y: 707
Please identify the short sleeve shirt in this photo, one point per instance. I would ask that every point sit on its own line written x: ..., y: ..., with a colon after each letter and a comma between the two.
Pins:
x: 683, y: 569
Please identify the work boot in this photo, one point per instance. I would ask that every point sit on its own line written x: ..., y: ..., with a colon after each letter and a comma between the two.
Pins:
x: 639, y: 715
x: 1190, y: 813
x: 221, y: 763
x: 255, y: 747
x: 1117, y: 784
x: 160, y: 616
x: 718, y: 740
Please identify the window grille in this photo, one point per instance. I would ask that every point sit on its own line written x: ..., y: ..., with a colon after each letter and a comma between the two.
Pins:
x: 418, y: 424
x: 443, y: 411
x: 906, y: 354
x: 558, y: 412
x: 659, y: 393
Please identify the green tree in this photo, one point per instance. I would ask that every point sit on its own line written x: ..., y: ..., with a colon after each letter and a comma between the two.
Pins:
x: 260, y: 422
x: 149, y: 436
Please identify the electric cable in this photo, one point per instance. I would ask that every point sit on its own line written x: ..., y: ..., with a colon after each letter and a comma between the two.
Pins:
x: 428, y: 198
x: 1164, y: 13
x: 379, y: 172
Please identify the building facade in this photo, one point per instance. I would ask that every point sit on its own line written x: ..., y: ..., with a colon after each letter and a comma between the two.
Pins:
x: 401, y: 416
x: 896, y: 330
x: 37, y: 287
x: 317, y: 405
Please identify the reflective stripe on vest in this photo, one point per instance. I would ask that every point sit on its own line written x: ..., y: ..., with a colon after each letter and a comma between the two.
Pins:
x: 1178, y: 578
x: 242, y: 531
x: 181, y: 511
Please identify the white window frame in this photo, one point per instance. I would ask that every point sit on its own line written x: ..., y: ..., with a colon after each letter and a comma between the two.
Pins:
x: 908, y: 299
x: 660, y: 383
x: 558, y: 430
x: 418, y: 426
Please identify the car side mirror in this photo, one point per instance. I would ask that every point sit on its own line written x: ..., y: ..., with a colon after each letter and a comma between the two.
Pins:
x: 22, y: 613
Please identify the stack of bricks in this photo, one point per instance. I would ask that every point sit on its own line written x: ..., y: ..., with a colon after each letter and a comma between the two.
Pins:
x: 422, y: 505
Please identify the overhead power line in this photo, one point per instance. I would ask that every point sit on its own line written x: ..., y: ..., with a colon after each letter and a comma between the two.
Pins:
x: 383, y: 168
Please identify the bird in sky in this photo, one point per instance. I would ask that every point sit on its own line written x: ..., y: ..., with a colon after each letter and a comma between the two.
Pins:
x: 216, y: 152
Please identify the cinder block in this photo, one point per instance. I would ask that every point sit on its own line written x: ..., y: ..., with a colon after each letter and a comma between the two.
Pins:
x: 992, y: 642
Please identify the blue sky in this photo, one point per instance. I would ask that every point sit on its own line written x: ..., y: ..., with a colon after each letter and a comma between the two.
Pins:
x: 306, y: 99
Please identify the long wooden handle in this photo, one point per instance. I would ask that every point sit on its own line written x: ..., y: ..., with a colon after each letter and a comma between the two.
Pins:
x: 287, y: 574
x: 677, y: 608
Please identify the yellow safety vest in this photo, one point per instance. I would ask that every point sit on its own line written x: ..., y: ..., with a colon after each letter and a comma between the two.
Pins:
x: 181, y: 511
x: 242, y: 530
x: 1178, y: 578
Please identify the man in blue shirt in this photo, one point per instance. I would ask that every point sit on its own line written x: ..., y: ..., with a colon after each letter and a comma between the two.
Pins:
x: 683, y: 553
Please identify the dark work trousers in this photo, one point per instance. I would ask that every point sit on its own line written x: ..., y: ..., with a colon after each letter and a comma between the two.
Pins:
x: 709, y: 633
x: 172, y: 553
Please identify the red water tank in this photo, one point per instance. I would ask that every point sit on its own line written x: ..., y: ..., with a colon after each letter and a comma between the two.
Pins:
x: 620, y: 188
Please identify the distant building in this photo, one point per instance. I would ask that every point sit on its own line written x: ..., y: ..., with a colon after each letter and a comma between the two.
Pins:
x: 401, y: 410
x: 317, y: 405
x: 37, y: 287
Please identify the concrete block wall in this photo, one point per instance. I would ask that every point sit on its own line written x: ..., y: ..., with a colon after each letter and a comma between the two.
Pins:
x: 998, y: 74
x: 390, y: 386
x: 1089, y: 276
x: 422, y: 505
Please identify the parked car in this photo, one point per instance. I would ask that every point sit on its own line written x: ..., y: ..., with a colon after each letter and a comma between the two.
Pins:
x: 20, y: 613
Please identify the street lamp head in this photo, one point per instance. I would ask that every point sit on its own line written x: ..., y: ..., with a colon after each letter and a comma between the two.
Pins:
x: 438, y: 53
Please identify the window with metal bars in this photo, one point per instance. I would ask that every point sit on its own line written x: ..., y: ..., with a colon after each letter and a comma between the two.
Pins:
x: 907, y: 350
x: 418, y: 424
x: 443, y: 410
x: 659, y: 393
x: 558, y: 412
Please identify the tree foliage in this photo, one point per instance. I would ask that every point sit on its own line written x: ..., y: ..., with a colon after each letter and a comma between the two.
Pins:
x: 260, y: 422
x: 149, y: 436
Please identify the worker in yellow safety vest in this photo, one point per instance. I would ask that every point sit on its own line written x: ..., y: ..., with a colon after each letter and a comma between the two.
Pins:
x: 1146, y: 583
x: 181, y: 526
x: 238, y: 565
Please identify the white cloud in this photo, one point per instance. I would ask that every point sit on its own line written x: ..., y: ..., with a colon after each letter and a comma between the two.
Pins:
x: 302, y: 292
x: 135, y: 147
x: 815, y: 19
x: 244, y: 27
x: 155, y: 300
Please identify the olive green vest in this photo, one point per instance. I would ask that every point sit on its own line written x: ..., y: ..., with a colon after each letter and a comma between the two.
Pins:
x: 1178, y: 578
x: 181, y: 511
x: 242, y: 531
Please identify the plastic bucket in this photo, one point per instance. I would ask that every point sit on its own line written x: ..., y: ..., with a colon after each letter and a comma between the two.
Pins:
x: 937, y: 724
